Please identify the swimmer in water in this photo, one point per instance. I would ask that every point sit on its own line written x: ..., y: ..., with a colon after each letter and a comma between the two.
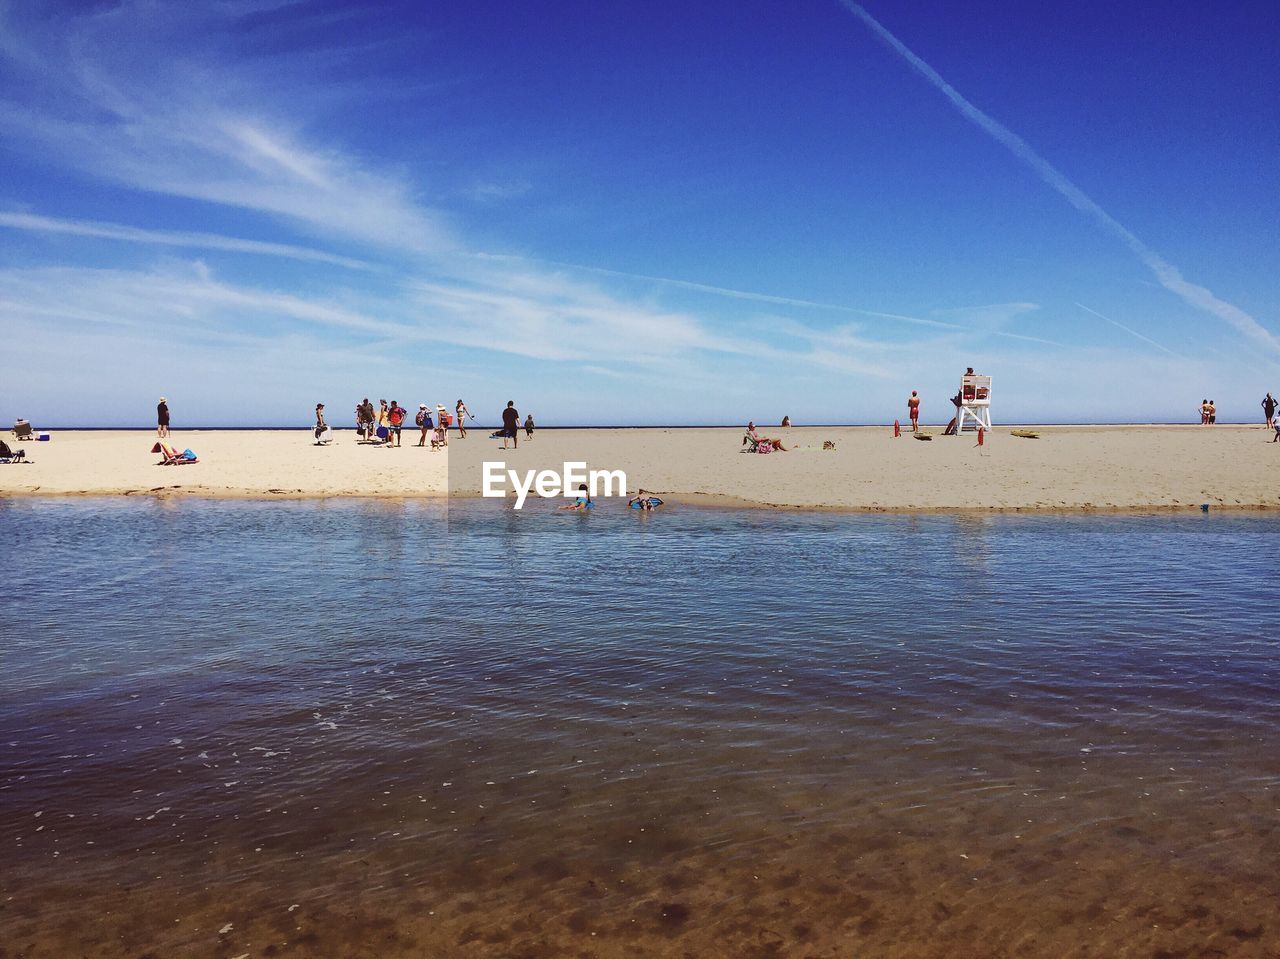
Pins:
x: 583, y: 501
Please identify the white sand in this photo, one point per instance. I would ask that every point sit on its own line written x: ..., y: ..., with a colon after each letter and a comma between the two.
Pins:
x: 1148, y: 467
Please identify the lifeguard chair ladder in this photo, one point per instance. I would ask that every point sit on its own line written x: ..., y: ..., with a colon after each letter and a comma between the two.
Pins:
x: 975, y: 403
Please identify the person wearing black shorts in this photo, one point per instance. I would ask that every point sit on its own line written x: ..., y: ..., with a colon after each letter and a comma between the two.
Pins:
x: 162, y: 418
x: 511, y: 424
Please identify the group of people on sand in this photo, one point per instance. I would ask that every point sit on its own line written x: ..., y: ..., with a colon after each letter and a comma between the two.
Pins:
x: 384, y: 426
x: 1208, y: 412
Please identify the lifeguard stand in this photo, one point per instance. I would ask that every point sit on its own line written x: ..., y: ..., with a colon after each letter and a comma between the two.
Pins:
x: 975, y: 403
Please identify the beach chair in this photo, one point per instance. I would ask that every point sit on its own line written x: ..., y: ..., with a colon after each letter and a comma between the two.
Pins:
x: 22, y: 430
x: 172, y: 457
x: 8, y: 455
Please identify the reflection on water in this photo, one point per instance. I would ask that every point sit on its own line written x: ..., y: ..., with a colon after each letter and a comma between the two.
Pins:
x: 355, y: 729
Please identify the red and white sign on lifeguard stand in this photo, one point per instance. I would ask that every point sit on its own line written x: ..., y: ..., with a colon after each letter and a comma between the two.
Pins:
x: 975, y: 403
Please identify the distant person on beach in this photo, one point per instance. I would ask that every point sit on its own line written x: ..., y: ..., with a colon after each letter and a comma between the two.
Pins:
x: 424, y: 423
x: 1213, y: 412
x: 322, y: 428
x: 461, y: 411
x: 913, y: 410
x: 395, y: 422
x: 511, y: 425
x: 162, y: 418
x: 1204, y: 412
x: 1269, y: 409
x: 528, y: 427
x: 786, y: 422
x: 367, y: 418
x: 583, y: 501
x: 957, y: 401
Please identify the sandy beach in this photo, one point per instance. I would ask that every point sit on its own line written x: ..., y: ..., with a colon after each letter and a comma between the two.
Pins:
x: 1067, y: 468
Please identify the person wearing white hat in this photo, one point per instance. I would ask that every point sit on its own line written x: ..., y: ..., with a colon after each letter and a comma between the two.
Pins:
x: 423, y: 420
x: 162, y: 418
x: 440, y: 438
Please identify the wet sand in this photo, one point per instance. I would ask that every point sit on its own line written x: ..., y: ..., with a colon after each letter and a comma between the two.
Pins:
x: 1067, y: 468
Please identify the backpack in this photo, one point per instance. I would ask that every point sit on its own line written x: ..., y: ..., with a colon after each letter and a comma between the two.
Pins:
x: 421, y: 418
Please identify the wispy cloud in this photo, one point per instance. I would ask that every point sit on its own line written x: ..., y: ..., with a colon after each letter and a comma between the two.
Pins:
x: 1165, y: 273
x: 207, y: 241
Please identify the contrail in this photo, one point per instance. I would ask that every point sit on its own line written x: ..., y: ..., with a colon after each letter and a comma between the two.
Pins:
x: 725, y: 291
x: 1129, y: 330
x: 1166, y: 273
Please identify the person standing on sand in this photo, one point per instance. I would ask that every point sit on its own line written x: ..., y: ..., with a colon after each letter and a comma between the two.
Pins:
x: 1269, y: 408
x: 1213, y: 412
x: 321, y: 425
x: 528, y: 427
x: 462, y: 413
x: 913, y: 410
x: 162, y: 418
x: 511, y: 425
x: 424, y: 422
x: 395, y: 420
x: 1204, y: 412
x: 364, y: 419
x: 382, y: 429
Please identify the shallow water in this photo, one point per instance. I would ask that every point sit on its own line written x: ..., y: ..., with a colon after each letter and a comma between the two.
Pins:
x: 342, y: 728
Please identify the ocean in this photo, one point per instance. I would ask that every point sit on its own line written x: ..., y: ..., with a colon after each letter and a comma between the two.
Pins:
x: 405, y: 728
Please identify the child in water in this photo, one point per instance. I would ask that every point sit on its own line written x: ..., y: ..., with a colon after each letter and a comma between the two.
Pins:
x: 583, y: 501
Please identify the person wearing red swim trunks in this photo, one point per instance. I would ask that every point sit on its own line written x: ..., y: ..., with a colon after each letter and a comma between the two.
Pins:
x: 913, y: 409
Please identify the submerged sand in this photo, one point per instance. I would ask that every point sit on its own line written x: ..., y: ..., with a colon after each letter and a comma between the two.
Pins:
x: 1066, y: 468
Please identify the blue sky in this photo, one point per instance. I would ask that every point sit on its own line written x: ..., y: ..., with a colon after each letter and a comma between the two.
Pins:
x: 619, y: 213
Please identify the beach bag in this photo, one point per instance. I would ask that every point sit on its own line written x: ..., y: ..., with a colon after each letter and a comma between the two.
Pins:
x: 382, y: 432
x: 421, y: 418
